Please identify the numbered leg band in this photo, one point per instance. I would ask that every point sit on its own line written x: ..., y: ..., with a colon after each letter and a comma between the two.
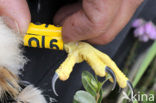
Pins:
x: 44, y: 36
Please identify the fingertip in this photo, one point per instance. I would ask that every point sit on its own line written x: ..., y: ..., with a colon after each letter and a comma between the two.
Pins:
x: 23, y: 24
x: 18, y: 14
x: 23, y: 18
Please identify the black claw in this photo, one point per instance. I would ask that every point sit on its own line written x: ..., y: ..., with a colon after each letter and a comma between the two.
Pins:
x: 54, y: 79
x: 109, y: 71
x: 131, y: 88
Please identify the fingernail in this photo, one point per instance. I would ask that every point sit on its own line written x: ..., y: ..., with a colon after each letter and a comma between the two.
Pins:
x: 12, y: 24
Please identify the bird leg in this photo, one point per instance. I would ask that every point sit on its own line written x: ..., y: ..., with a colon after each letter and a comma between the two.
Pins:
x: 101, y: 63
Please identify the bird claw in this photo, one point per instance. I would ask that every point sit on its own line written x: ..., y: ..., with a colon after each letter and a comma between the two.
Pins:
x: 54, y: 79
x: 78, y: 52
x: 129, y: 84
x: 109, y: 71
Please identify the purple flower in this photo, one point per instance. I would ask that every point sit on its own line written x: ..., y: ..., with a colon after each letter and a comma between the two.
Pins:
x: 150, y: 30
x: 138, y: 22
x: 144, y: 38
x: 139, y: 31
x: 144, y: 30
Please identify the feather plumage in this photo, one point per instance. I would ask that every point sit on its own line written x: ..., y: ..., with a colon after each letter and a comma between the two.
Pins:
x: 31, y: 95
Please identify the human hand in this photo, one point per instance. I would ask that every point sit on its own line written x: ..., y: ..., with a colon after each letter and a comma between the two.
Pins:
x: 16, y: 14
x: 96, y: 21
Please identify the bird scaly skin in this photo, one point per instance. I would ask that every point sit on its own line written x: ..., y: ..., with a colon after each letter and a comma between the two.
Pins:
x: 81, y: 51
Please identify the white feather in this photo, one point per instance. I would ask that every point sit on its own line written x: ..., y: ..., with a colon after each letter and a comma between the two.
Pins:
x: 10, y: 52
x: 31, y: 95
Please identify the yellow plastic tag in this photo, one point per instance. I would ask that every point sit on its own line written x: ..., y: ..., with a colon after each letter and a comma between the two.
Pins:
x: 44, y: 36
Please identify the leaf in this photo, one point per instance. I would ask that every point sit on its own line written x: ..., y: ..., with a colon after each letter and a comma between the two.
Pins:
x: 83, y: 97
x: 94, y: 83
x: 75, y: 101
x: 89, y: 83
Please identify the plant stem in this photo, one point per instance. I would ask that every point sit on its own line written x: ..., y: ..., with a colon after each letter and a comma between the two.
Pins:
x: 100, y: 87
x: 150, y: 76
x: 146, y: 62
x: 131, y: 56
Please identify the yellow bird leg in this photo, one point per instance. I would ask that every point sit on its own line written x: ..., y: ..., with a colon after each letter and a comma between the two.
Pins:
x: 80, y: 51
x: 100, y: 63
x: 67, y: 67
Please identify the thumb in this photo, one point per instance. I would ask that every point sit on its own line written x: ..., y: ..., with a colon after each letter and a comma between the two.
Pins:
x: 16, y: 14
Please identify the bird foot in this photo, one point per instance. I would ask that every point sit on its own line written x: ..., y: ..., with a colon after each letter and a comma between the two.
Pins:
x: 101, y: 63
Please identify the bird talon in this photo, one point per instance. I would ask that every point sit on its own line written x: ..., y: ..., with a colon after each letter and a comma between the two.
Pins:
x: 110, y: 71
x: 129, y: 84
x: 54, y: 79
x: 78, y: 52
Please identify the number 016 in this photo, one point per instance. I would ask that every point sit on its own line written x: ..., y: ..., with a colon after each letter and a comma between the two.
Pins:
x: 41, y: 41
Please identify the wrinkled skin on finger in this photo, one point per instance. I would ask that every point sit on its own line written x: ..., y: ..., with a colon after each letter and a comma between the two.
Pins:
x: 16, y: 14
x: 96, y: 21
